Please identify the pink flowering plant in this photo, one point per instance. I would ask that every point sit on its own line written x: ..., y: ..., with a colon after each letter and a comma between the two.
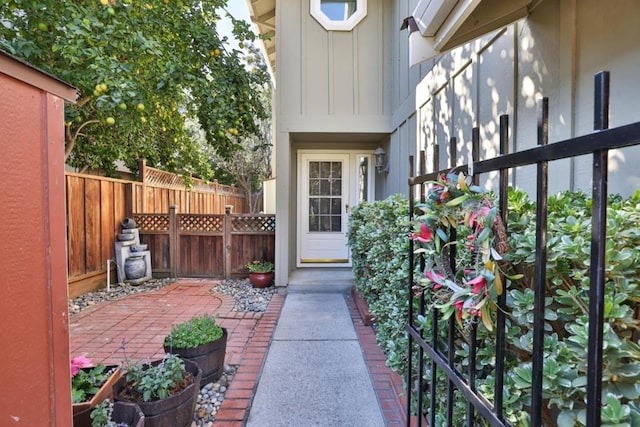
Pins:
x: 459, y: 220
x: 86, y: 382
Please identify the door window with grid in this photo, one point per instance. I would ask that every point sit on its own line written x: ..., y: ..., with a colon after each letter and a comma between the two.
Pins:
x: 325, y: 196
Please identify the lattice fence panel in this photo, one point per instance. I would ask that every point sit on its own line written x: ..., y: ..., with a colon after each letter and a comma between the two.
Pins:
x: 164, y: 179
x: 254, y: 223
x: 152, y: 222
x: 210, y: 223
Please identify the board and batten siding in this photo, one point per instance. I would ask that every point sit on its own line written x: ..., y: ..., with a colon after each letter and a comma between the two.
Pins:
x: 554, y: 52
x: 332, y: 81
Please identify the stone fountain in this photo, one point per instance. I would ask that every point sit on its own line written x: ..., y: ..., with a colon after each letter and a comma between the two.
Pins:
x: 133, y: 260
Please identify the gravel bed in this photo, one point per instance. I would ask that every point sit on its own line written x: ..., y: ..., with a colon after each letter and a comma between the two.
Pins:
x: 247, y: 298
x: 211, y: 397
x: 117, y: 291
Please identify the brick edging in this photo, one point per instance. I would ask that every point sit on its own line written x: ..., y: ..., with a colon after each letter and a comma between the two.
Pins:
x: 237, y: 401
x: 363, y: 308
x: 387, y: 384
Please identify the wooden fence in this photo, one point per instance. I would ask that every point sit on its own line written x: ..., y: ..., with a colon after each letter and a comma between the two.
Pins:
x: 97, y: 205
x: 197, y: 245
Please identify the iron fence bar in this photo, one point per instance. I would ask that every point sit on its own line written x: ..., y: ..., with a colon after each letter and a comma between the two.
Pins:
x: 471, y: 372
x: 619, y: 137
x: 420, y: 402
x: 453, y: 150
x: 451, y: 329
x: 435, y: 319
x: 608, y: 139
x: 452, y: 323
x: 410, y: 299
x: 475, y: 153
x: 502, y: 298
x: 483, y: 406
x: 598, y: 256
x: 434, y: 367
x: 540, y: 273
x: 421, y: 358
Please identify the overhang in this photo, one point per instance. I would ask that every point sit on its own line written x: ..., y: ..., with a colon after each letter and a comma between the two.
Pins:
x: 436, y: 26
x: 21, y: 70
x: 263, y: 17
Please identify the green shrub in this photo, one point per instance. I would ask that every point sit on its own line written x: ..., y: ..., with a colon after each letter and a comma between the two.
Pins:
x: 378, y: 237
x: 155, y: 381
x: 567, y: 302
x: 379, y: 248
x: 194, y: 332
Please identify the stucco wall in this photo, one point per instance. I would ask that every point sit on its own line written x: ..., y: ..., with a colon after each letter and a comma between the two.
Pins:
x: 554, y: 52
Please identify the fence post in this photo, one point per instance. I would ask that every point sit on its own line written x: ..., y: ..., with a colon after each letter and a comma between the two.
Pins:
x: 129, y: 200
x: 226, y: 240
x: 173, y: 240
x: 142, y: 177
x: 599, y: 190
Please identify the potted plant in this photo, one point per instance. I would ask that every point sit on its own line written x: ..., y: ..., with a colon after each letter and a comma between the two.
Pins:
x: 118, y: 414
x: 260, y: 273
x: 90, y: 385
x: 166, y: 390
x: 201, y: 340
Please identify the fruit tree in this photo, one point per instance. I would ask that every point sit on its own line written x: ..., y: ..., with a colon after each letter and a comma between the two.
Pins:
x: 142, y: 68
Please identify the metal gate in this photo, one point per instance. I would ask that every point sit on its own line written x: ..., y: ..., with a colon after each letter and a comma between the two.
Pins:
x: 431, y: 357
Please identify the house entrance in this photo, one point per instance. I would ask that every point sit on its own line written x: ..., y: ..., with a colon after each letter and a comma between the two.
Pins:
x: 329, y: 184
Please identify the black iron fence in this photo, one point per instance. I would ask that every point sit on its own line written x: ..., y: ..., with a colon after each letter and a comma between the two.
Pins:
x: 431, y: 357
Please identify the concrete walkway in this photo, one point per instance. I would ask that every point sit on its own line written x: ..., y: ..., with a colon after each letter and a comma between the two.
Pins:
x: 315, y: 373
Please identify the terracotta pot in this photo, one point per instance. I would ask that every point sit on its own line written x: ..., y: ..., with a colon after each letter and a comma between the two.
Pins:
x: 261, y: 280
x: 174, y: 411
x: 209, y: 356
x: 82, y: 410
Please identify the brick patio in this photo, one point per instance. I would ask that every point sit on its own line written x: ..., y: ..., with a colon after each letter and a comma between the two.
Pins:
x: 143, y: 320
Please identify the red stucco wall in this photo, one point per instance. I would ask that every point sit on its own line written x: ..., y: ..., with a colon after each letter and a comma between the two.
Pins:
x: 34, y: 337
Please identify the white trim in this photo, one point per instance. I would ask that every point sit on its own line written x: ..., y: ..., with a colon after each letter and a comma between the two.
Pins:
x: 346, y: 25
x: 351, y: 197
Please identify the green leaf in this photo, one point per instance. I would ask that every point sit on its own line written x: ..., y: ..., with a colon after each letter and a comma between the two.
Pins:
x: 580, y: 382
x: 457, y: 201
x: 442, y: 235
x: 483, y: 235
x: 567, y: 419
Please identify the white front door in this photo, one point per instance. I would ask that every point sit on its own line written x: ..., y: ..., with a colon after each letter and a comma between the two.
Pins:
x: 324, y: 197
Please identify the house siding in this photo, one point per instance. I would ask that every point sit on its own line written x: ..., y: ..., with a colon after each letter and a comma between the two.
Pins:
x: 554, y: 52
x: 328, y: 83
x: 359, y: 82
x: 332, y: 75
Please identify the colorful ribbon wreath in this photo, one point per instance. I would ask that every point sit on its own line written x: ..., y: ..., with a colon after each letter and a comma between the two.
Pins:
x: 463, y: 239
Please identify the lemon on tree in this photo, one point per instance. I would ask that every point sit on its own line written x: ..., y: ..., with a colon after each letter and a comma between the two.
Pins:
x: 173, y: 65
